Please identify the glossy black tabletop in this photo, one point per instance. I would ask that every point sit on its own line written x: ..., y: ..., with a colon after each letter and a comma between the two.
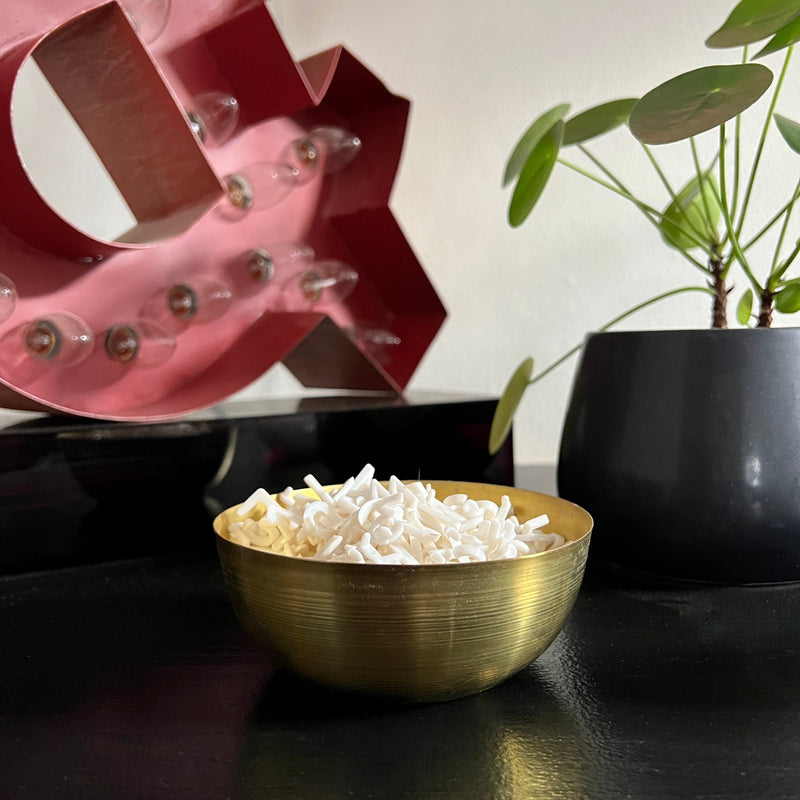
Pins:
x: 132, y: 680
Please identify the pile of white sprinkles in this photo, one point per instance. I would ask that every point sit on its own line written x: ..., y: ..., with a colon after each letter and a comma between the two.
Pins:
x: 364, y: 521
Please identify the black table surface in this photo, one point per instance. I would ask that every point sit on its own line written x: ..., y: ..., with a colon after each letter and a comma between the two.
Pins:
x: 132, y: 679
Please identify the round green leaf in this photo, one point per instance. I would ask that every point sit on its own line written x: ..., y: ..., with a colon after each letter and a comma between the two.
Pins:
x: 530, y: 139
x: 785, y: 37
x: 790, y: 131
x: 691, y: 218
x: 753, y: 20
x: 508, y: 403
x: 787, y: 301
x: 597, y: 120
x: 534, y: 175
x: 697, y: 101
x: 744, y: 307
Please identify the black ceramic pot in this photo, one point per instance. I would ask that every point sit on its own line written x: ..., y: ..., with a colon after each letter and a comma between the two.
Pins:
x: 685, y: 448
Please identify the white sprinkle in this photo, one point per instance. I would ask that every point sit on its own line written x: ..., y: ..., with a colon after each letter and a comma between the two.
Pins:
x: 364, y: 477
x: 329, y: 548
x: 314, y: 484
x: 364, y: 521
x: 258, y: 496
x: 536, y: 523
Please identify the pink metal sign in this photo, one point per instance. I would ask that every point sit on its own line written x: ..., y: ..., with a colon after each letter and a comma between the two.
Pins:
x: 256, y: 225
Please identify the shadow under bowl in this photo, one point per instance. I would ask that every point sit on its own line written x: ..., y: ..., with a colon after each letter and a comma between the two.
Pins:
x: 411, y: 633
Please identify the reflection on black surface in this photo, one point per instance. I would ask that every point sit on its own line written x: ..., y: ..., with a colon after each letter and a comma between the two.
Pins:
x: 679, y: 688
x: 80, y: 491
x: 125, y: 681
x: 114, y: 462
x: 517, y: 740
x: 69, y: 479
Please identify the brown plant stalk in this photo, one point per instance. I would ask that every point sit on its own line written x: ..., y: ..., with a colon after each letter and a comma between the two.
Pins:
x: 719, y: 316
x: 766, y: 306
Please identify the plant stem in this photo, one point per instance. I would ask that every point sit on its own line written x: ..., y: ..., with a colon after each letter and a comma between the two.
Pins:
x: 657, y: 167
x: 658, y: 298
x: 615, y: 186
x: 737, y: 250
x: 701, y: 177
x: 778, y: 214
x: 762, y: 140
x: 719, y: 313
x: 737, y: 150
x: 777, y: 271
x: 653, y: 215
x: 766, y: 302
x: 719, y: 310
x: 698, y: 238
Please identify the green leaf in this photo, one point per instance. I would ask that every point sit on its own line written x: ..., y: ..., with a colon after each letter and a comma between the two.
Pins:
x: 787, y: 300
x: 528, y: 141
x: 744, y: 307
x: 534, y: 175
x: 508, y: 403
x: 790, y: 131
x: 697, y: 101
x: 785, y: 37
x: 685, y: 225
x: 597, y: 120
x: 753, y: 20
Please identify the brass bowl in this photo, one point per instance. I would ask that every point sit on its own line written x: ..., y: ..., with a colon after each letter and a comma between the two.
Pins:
x: 411, y: 633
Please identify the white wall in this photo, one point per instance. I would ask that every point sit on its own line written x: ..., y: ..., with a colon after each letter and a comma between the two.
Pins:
x: 477, y: 73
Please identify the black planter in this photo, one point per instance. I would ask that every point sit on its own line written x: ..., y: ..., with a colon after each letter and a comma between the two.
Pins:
x: 685, y: 448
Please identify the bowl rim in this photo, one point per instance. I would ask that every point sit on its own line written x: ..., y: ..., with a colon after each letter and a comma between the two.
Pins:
x: 569, y: 544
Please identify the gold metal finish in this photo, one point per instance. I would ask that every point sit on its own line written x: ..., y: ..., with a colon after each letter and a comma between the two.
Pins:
x: 412, y: 633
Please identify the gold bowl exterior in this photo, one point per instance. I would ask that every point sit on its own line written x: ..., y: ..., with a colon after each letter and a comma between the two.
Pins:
x: 411, y: 633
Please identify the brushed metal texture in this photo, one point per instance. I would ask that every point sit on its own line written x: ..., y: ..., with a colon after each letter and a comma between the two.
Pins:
x: 412, y: 633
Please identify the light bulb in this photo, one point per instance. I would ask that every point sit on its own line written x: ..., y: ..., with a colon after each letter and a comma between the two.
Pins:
x: 149, y: 17
x: 281, y: 257
x: 61, y: 338
x: 339, y: 146
x: 194, y: 300
x: 142, y: 343
x: 213, y: 117
x: 264, y: 184
x: 324, y: 282
x: 8, y: 297
x: 375, y: 339
x: 324, y: 149
x: 257, y: 187
x: 56, y: 340
x: 332, y: 279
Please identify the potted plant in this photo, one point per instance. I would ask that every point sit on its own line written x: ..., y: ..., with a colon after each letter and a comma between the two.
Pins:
x: 685, y: 445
